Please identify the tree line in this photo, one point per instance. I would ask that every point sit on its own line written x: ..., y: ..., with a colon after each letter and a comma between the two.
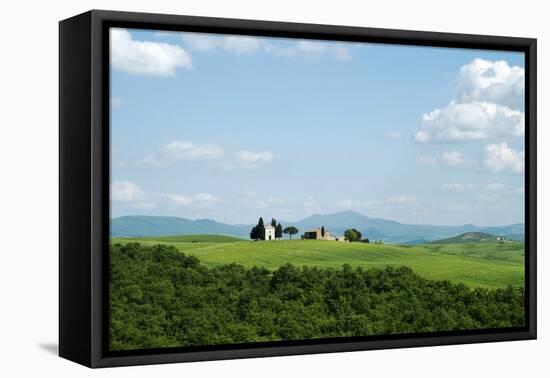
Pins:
x: 160, y: 297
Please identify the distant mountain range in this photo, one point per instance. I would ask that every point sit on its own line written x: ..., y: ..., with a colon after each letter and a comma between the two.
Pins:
x: 373, y: 228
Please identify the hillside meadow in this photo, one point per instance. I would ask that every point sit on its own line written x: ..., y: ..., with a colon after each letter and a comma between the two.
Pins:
x: 482, y: 264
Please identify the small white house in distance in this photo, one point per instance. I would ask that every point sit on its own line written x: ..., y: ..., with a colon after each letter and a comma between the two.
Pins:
x: 269, y: 233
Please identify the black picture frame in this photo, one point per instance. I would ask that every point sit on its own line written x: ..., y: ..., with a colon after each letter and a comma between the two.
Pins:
x: 84, y: 185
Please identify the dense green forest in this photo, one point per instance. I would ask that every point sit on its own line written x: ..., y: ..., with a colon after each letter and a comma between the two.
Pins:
x: 159, y: 297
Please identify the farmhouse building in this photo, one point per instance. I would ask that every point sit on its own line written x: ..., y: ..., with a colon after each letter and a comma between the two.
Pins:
x: 269, y: 233
x: 317, y: 234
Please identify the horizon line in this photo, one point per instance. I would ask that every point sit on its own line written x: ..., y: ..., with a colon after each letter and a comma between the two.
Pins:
x: 312, y: 215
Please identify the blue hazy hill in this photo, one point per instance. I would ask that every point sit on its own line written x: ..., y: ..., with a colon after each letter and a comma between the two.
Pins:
x: 373, y: 228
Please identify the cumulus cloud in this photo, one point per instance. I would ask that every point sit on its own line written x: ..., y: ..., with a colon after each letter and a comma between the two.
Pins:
x: 128, y: 193
x: 242, y: 45
x: 145, y: 57
x: 202, y: 41
x: 202, y: 199
x: 239, y: 45
x: 470, y: 121
x: 454, y: 158
x: 182, y: 150
x: 496, y: 82
x: 311, y: 50
x: 185, y: 150
x: 176, y: 150
x: 255, y: 157
x: 488, y: 104
x: 125, y: 191
x: 500, y: 157
x: 151, y: 160
x: 247, y: 45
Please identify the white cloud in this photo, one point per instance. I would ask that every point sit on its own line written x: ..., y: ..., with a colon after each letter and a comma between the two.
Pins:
x: 242, y: 45
x: 470, y: 121
x: 144, y: 57
x: 310, y: 50
x: 255, y: 157
x: 179, y: 199
x: 454, y: 158
x: 488, y: 105
x: 130, y: 194
x: 206, y: 197
x: 182, y: 150
x: 247, y: 45
x: 188, y: 151
x: 185, y: 150
x: 501, y: 157
x: 451, y: 158
x: 126, y: 191
x: 186, y: 200
x: 151, y: 160
x: 457, y: 186
x: 496, y: 82
x: 202, y: 41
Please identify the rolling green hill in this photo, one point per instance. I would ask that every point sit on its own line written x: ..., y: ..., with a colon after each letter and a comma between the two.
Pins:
x: 469, y: 237
x: 482, y: 264
x: 193, y: 239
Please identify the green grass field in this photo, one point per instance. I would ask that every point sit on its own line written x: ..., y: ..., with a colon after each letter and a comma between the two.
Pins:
x: 193, y: 239
x: 485, y: 264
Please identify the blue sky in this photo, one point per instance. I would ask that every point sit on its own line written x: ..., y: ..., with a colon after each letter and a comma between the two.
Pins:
x: 232, y: 128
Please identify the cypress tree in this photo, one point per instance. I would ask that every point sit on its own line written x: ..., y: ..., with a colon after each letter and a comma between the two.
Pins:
x: 254, y: 233
x: 279, y: 231
x: 261, y: 229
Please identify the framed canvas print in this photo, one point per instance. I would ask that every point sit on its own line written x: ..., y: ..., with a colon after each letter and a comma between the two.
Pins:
x: 234, y: 188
